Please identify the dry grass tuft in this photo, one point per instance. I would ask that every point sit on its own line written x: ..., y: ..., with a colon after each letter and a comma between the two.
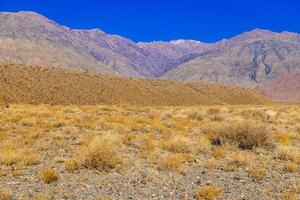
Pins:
x: 101, y: 153
x: 172, y: 162
x: 5, y: 195
x: 49, y: 175
x: 178, y: 144
x: 208, y: 192
x: 71, y: 165
x: 258, y: 173
x: 245, y: 135
x: 289, y: 196
x: 291, y: 168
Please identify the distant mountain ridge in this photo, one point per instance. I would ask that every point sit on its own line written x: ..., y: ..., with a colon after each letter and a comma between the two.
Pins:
x: 247, y: 59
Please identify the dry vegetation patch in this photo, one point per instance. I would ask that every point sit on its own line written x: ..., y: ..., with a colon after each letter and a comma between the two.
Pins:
x: 245, y: 134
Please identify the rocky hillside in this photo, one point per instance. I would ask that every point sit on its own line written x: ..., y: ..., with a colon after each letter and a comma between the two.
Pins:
x: 22, y: 84
x: 247, y: 59
x: 284, y: 89
x: 29, y: 38
x: 255, y: 57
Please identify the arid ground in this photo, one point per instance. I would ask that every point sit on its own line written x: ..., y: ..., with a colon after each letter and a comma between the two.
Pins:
x: 127, y: 152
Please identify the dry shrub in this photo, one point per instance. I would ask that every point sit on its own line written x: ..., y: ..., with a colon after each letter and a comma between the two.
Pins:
x: 254, y: 114
x: 71, y: 165
x: 283, y: 139
x: 5, y: 195
x: 289, y: 196
x: 203, y: 144
x: 239, y: 159
x: 10, y: 155
x: 101, y: 153
x: 209, y: 192
x: 178, y: 144
x: 172, y: 162
x: 211, y: 163
x: 258, y: 173
x: 291, y: 168
x: 219, y: 152
x: 246, y: 135
x: 288, y: 153
x: 49, y: 175
x: 213, y: 111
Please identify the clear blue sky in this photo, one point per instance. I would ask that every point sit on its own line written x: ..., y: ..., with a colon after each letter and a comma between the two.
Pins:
x: 147, y: 20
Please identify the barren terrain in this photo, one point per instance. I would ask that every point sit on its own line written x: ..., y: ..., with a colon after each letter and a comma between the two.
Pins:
x: 128, y: 152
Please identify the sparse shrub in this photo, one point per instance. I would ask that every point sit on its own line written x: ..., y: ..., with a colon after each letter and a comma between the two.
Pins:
x: 291, y: 168
x: 178, y: 144
x: 49, y: 175
x: 239, y: 159
x: 5, y: 195
x: 219, y: 152
x: 101, y: 153
x: 203, y: 144
x: 245, y: 135
x: 209, y: 192
x: 211, y: 163
x: 213, y: 111
x: 283, y: 139
x: 172, y: 162
x: 258, y: 173
x: 289, y: 196
x: 71, y: 165
x: 31, y: 159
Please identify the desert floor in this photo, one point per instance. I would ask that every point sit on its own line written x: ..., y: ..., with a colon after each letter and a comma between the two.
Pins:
x: 125, y: 152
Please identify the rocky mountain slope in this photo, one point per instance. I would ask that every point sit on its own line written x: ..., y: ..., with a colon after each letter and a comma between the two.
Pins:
x: 254, y: 57
x: 22, y: 84
x: 247, y: 59
x: 29, y: 38
x: 284, y: 89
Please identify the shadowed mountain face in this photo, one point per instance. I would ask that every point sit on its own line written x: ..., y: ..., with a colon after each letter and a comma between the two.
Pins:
x: 247, y: 59
x: 284, y: 89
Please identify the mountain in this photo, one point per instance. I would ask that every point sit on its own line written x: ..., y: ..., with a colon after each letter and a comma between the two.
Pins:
x: 23, y: 84
x: 29, y: 38
x: 283, y: 89
x: 247, y: 59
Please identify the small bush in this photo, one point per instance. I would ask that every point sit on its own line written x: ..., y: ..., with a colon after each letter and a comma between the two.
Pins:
x: 5, y: 195
x: 246, y: 135
x: 258, y: 174
x: 172, y: 162
x: 209, y: 192
x: 71, y: 165
x: 49, y: 175
x: 102, y: 153
x: 178, y: 144
x: 291, y: 168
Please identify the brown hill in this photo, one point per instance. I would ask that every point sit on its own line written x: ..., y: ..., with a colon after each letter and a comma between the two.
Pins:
x: 284, y: 89
x: 23, y: 84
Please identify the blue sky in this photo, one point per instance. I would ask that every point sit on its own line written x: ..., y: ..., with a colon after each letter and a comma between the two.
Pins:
x: 139, y: 20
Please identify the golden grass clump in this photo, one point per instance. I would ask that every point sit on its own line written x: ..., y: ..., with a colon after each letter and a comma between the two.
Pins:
x: 178, y: 144
x: 71, y: 165
x: 49, y: 175
x: 291, y: 168
x: 245, y: 135
x: 172, y: 162
x: 258, y: 173
x: 209, y: 192
x: 101, y: 153
x: 5, y: 195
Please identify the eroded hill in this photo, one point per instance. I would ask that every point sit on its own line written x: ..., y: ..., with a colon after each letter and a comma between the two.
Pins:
x: 23, y: 84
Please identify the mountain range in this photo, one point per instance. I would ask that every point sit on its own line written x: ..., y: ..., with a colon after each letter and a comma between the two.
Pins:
x: 248, y: 59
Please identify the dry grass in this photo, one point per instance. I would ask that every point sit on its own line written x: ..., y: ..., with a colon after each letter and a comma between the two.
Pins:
x: 49, y: 175
x: 161, y: 140
x: 208, y: 192
x: 172, y: 162
x: 245, y: 135
x: 5, y: 195
x: 101, y: 153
